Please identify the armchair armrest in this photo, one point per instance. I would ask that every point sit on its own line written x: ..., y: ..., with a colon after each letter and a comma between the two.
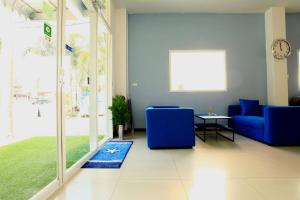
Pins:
x: 282, y: 125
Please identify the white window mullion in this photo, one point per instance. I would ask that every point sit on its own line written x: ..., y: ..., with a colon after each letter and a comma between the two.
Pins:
x: 61, y: 149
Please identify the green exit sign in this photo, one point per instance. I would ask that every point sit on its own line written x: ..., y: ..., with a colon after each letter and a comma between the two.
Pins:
x: 47, y: 30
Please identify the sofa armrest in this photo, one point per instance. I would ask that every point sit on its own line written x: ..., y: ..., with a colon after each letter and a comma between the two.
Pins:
x: 234, y: 110
x: 282, y: 125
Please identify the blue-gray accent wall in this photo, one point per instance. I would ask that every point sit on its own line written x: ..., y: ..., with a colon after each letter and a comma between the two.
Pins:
x: 293, y: 36
x: 151, y: 36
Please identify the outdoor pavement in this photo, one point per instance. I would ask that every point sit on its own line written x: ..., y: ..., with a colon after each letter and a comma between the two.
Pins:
x: 40, y: 120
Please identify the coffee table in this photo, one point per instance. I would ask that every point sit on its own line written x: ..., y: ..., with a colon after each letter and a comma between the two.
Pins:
x: 215, y: 118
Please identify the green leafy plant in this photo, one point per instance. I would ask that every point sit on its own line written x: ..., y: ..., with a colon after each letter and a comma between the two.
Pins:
x: 120, y: 111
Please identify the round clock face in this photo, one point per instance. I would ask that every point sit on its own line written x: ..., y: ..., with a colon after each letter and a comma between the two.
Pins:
x: 281, y: 49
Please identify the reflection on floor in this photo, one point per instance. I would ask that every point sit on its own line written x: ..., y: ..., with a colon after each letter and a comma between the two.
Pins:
x: 215, y: 170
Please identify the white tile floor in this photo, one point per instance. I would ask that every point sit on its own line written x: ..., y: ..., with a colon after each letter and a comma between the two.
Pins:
x: 215, y: 170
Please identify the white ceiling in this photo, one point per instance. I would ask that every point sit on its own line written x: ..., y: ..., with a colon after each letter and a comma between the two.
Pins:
x: 205, y: 6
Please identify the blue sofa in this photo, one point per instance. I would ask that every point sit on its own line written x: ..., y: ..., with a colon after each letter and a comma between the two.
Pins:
x: 170, y: 127
x: 274, y: 125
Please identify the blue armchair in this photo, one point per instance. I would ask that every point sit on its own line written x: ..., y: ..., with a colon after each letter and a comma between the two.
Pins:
x: 170, y: 127
x: 275, y: 125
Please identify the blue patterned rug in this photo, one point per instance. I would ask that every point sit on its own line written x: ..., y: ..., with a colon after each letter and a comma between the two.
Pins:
x: 111, y: 155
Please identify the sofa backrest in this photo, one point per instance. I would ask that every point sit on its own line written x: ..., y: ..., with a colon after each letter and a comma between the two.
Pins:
x: 236, y: 110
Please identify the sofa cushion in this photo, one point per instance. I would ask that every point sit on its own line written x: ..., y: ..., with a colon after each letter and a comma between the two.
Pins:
x: 250, y: 121
x: 250, y: 107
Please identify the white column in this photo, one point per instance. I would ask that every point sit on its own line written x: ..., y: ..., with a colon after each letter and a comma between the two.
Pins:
x: 277, y: 76
x: 120, y: 74
x: 93, y: 82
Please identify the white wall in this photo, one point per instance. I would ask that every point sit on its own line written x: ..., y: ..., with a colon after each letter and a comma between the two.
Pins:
x: 120, y: 62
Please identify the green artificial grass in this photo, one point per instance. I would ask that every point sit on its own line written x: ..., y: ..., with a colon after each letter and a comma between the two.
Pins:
x: 77, y: 146
x: 29, y: 165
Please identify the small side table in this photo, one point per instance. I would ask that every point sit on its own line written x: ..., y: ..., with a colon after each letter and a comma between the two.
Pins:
x: 205, y: 118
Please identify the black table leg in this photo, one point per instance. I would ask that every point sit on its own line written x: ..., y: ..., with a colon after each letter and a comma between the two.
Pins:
x: 216, y: 132
x: 216, y: 128
x: 233, y: 135
x: 204, y: 132
x: 228, y: 138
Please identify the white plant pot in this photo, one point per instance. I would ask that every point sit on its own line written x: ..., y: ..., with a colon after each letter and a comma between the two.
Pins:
x: 120, y: 132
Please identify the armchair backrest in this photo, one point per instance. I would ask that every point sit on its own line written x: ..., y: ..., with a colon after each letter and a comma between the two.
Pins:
x: 169, y: 117
x: 163, y: 107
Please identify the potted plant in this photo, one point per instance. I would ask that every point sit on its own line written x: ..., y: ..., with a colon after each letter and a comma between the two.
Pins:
x: 120, y: 113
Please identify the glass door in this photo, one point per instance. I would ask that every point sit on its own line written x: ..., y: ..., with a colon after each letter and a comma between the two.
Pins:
x: 76, y: 88
x: 102, y: 61
x: 28, y: 127
x: 103, y: 65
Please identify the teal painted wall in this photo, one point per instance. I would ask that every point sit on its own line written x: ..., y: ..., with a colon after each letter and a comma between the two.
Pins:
x: 150, y: 36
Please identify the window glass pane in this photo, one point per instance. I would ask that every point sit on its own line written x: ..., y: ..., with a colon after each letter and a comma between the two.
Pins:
x: 28, y: 144
x: 198, y: 70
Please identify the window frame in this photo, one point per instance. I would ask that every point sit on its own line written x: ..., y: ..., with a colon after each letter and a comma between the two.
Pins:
x: 298, y: 66
x: 197, y: 50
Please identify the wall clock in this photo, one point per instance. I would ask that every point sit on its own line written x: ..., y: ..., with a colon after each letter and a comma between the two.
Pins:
x: 281, y: 49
